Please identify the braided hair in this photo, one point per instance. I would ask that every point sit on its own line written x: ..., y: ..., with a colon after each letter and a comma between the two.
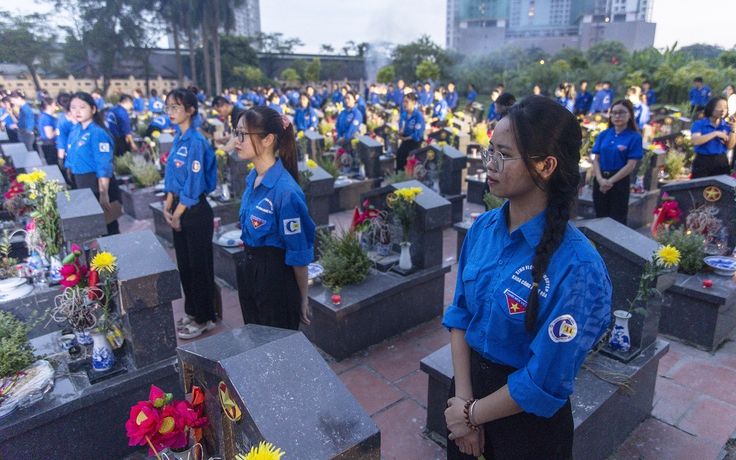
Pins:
x: 543, y: 128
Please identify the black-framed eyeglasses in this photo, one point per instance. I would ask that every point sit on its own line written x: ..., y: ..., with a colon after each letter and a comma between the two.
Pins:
x: 619, y: 113
x: 241, y: 134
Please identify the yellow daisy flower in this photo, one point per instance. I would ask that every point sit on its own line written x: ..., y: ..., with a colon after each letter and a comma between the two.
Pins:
x: 311, y: 164
x: 668, y: 255
x: 24, y: 178
x: 155, y: 134
x: 104, y: 261
x: 416, y: 190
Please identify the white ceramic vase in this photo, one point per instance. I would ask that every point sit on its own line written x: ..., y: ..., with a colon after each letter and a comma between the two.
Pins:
x: 405, y: 257
x: 102, y: 356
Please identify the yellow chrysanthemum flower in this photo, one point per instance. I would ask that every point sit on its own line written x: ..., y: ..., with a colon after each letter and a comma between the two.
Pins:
x: 416, y: 190
x: 38, y: 175
x: 652, y: 147
x: 455, y: 131
x: 155, y: 134
x: 104, y: 261
x: 251, y: 166
x: 394, y: 128
x: 300, y: 134
x: 668, y: 255
x: 264, y: 451
x: 32, y: 196
x: 354, y: 142
x: 220, y: 152
x: 24, y: 178
x: 311, y: 164
x: 2, y: 162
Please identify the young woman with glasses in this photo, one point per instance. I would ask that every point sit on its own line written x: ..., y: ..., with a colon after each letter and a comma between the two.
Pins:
x: 616, y: 152
x: 277, y: 231
x: 532, y: 296
x: 191, y: 173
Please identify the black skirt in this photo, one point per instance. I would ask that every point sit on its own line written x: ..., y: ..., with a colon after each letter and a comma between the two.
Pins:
x: 523, y: 436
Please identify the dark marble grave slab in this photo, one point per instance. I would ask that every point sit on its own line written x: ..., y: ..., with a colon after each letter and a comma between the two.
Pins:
x: 476, y: 185
x: 369, y: 152
x: 82, y: 217
x: 287, y: 393
x: 238, y: 172
x: 136, y: 200
x: 383, y: 305
x: 11, y: 148
x: 348, y: 196
x: 318, y: 195
x: 641, y: 207
x: 597, y: 406
x: 388, y: 164
x: 165, y: 141
x: 315, y: 144
x: 4, y: 137
x: 53, y: 173
x: 697, y: 315
x: 461, y: 228
x: 148, y: 282
x: 33, y: 307
x: 26, y: 161
x: 226, y: 258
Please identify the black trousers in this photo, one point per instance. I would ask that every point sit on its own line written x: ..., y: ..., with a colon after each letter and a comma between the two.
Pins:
x: 523, y: 436
x: 402, y: 154
x: 27, y: 137
x: 710, y: 165
x: 615, y: 202
x: 121, y: 146
x: 89, y: 180
x: 48, y: 147
x: 195, y: 260
x: 267, y: 288
x: 12, y: 136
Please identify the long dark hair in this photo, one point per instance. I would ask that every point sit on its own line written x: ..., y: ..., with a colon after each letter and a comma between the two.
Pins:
x: 631, y: 124
x: 97, y: 117
x: 265, y: 120
x: 543, y: 128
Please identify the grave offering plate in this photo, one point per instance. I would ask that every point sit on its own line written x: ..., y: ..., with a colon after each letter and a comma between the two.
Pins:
x: 314, y: 271
x: 21, y: 291
x: 230, y: 239
x: 723, y: 266
x: 11, y: 284
x: 26, y: 387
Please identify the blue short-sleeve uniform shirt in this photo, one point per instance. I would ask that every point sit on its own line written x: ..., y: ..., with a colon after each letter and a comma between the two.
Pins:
x: 90, y: 150
x: 616, y: 150
x: 45, y: 119
x: 348, y: 123
x: 472, y: 96
x: 64, y: 126
x: 156, y: 105
x: 139, y: 105
x: 162, y: 122
x: 440, y: 109
x: 26, y: 118
x: 714, y: 146
x: 451, y: 99
x: 412, y: 125
x: 493, y: 285
x: 305, y: 118
x: 275, y: 214
x: 583, y: 101
x: 191, y: 168
x: 118, y: 121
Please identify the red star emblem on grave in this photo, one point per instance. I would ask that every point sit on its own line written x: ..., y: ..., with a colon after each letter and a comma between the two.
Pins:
x: 712, y: 193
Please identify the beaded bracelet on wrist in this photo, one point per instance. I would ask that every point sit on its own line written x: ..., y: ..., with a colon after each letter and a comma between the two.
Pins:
x: 466, y: 412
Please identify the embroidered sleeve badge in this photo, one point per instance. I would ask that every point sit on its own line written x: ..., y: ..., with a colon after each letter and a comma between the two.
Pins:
x: 104, y: 147
x: 292, y: 226
x: 563, y: 329
x: 196, y: 166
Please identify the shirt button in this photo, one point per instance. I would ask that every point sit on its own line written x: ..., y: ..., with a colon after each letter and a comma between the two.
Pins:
x: 500, y: 262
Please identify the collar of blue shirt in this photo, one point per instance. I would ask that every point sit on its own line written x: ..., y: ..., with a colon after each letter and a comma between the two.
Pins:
x: 271, y: 177
x: 531, y: 230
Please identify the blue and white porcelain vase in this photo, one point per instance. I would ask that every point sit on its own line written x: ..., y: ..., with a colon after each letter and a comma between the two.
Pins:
x: 620, y: 337
x: 84, y: 337
x: 102, y: 357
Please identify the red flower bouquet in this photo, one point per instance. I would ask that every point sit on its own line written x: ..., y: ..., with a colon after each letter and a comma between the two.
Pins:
x: 666, y: 214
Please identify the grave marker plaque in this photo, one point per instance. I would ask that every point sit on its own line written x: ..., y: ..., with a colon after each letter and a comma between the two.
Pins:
x: 82, y: 217
x: 315, y: 144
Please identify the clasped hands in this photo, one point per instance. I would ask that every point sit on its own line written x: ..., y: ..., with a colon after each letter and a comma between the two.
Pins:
x: 469, y: 442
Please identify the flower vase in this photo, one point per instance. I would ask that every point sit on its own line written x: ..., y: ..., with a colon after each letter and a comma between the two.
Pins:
x: 405, y: 257
x: 225, y: 192
x: 102, y: 357
x: 192, y: 452
x: 620, y: 337
x: 84, y: 337
x: 55, y: 269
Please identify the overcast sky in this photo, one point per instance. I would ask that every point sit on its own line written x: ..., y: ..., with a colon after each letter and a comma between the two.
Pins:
x: 334, y: 22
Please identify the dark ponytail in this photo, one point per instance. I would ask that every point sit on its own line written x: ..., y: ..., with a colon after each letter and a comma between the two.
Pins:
x: 97, y: 117
x: 543, y: 128
x: 267, y: 121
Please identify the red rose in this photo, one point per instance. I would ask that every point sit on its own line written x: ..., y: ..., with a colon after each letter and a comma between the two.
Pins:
x: 144, y: 422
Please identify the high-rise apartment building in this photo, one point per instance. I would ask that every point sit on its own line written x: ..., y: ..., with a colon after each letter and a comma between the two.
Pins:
x: 477, y: 26
x: 248, y: 19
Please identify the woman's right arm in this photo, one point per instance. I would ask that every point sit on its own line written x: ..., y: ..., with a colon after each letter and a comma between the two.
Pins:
x: 700, y: 138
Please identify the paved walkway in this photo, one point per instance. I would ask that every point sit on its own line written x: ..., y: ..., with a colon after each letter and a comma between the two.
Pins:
x: 694, y: 411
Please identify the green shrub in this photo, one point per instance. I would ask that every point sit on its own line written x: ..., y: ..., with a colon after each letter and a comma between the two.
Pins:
x: 690, y: 247
x: 492, y: 201
x: 329, y: 166
x: 343, y: 259
x: 16, y: 352
x: 396, y: 177
x: 123, y: 164
x: 145, y: 174
x: 673, y: 164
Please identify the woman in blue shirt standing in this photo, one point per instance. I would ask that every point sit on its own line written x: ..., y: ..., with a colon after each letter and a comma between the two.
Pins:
x: 47, y: 130
x: 411, y: 130
x: 191, y: 173
x: 617, y: 151
x: 277, y: 231
x: 26, y: 119
x: 89, y: 154
x: 349, y: 120
x: 532, y: 297
x: 712, y: 137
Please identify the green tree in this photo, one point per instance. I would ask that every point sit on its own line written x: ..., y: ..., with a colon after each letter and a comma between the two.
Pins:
x: 406, y: 58
x: 702, y: 51
x: 249, y: 76
x: 275, y: 47
x: 313, y: 70
x: 26, y: 40
x: 385, y: 74
x: 290, y: 75
x: 235, y: 52
x: 607, y: 52
x: 428, y: 70
x: 727, y: 59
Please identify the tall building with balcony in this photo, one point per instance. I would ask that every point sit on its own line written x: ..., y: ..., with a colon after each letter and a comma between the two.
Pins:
x: 481, y: 26
x: 248, y: 19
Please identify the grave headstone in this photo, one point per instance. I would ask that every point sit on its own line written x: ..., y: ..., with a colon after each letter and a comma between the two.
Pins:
x: 165, y: 141
x: 82, y: 217
x: 227, y: 212
x: 53, y: 173
x: 318, y: 194
x: 452, y: 136
x: 315, y: 144
x: 239, y: 170
x: 26, y: 161
x: 268, y: 384
x: 369, y: 152
x: 136, y: 200
x: 13, y: 148
x: 641, y: 207
x: 443, y: 170
x: 4, y: 137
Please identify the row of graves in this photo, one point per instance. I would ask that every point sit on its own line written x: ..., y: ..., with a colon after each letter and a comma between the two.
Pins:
x: 382, y: 276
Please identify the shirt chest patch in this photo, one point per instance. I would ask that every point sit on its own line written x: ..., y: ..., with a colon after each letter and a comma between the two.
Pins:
x: 83, y: 140
x: 562, y: 329
x: 182, y: 151
x: 621, y: 148
x: 104, y: 147
x: 257, y: 221
x: 514, y: 303
x: 265, y: 205
x: 178, y: 163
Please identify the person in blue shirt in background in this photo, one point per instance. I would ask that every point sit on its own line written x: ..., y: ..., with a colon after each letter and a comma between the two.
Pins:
x: 583, y: 100
x: 439, y: 110
x: 373, y: 96
x: 472, y: 96
x: 348, y: 121
x: 336, y: 94
x: 161, y: 123
x: 602, y: 100
x: 7, y: 119
x: 26, y: 119
x: 47, y: 130
x: 532, y: 298
x: 99, y: 100
x: 314, y: 98
x: 642, y: 114
x: 278, y: 233
x: 305, y: 117
x: 360, y: 103
x: 451, y: 96
x: 118, y: 122
x: 426, y: 96
x: 493, y: 116
x: 699, y: 96
x: 201, y: 97
x: 646, y: 89
x: 155, y: 104
x: 191, y: 173
x: 64, y: 125
x: 411, y: 130
x: 325, y: 93
x: 89, y: 154
x: 617, y: 150
x: 139, y: 104
x: 398, y: 95
x: 712, y: 138
x: 274, y: 102
x: 566, y: 96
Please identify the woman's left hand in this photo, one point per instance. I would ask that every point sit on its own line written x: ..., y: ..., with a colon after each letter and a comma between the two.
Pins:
x: 455, y: 418
x: 304, y: 315
x: 175, y: 222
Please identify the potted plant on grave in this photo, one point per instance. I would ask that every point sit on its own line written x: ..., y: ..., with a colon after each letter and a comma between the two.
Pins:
x: 689, y: 244
x: 402, y: 203
x: 136, y: 196
x: 41, y: 199
x: 163, y: 423
x: 343, y: 261
x: 664, y: 261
